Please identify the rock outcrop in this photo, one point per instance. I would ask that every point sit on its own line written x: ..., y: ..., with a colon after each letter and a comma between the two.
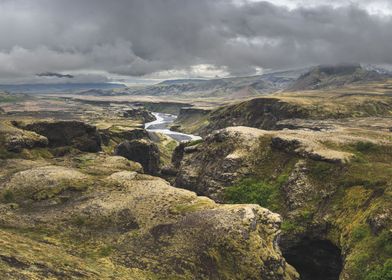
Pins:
x: 118, y: 134
x: 225, y: 156
x: 263, y: 113
x: 139, y: 114
x: 191, y: 119
x: 15, y: 140
x: 67, y: 133
x: 142, y: 151
x: 330, y: 187
x: 312, y: 110
x: 70, y: 222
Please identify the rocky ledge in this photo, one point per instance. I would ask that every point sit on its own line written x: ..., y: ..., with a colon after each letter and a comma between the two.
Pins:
x: 78, y: 134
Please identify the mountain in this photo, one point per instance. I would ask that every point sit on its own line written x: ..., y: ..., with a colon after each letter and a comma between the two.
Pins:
x: 235, y: 86
x: 333, y: 76
x: 66, y: 87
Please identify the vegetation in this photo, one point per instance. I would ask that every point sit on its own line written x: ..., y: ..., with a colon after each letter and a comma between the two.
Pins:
x: 251, y: 190
x: 381, y: 272
x: 8, y: 98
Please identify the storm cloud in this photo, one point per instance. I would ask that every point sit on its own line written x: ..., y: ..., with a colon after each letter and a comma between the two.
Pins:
x: 150, y: 37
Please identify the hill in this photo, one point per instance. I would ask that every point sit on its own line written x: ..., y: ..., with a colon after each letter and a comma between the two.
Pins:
x: 222, y: 87
x: 66, y: 87
x: 334, y: 76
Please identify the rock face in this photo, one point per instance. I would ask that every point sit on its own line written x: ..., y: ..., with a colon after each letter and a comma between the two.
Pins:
x: 121, y: 135
x: 331, y: 187
x: 15, y: 140
x: 70, y: 222
x: 217, y: 162
x: 226, y: 155
x: 139, y: 114
x: 290, y: 110
x: 143, y: 151
x: 68, y: 133
x: 191, y: 119
x: 263, y: 113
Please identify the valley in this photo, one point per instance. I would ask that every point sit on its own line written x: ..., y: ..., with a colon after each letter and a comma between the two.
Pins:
x: 295, y: 184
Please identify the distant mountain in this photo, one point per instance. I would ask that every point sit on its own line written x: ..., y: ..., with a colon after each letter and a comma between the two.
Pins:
x: 333, y: 76
x: 181, y: 81
x: 55, y: 88
x: 236, y: 86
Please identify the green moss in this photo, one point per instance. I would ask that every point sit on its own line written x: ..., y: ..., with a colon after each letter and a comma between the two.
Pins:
x: 79, y: 220
x: 8, y: 196
x: 360, y: 232
x: 322, y: 171
x: 356, y: 265
x: 201, y: 203
x: 166, y: 147
x: 9, y: 98
x: 105, y: 251
x: 194, y: 142
x: 53, y: 191
x: 381, y: 272
x: 36, y: 153
x: 253, y: 191
x: 271, y: 164
x: 384, y: 242
x: 289, y: 226
x: 363, y: 146
x: 306, y: 215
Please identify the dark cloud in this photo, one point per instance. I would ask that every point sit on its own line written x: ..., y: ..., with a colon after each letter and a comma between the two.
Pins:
x: 57, y: 75
x: 136, y: 38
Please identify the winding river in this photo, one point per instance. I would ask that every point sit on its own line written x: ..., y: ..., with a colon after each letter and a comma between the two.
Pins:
x: 162, y: 125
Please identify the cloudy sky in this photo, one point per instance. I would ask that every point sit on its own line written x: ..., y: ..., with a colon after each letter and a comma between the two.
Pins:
x: 138, y: 40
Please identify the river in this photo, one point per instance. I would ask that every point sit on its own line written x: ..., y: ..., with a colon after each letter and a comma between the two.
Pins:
x: 162, y: 125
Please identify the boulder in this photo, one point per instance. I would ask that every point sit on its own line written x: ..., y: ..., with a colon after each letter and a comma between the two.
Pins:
x: 142, y: 151
x: 43, y: 183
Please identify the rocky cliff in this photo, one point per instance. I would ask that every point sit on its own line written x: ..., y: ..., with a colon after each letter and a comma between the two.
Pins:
x: 191, y: 119
x: 139, y: 114
x: 332, y: 187
x: 78, y: 134
x: 289, y: 110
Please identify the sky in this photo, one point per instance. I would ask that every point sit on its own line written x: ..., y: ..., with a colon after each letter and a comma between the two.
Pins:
x: 141, y: 40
